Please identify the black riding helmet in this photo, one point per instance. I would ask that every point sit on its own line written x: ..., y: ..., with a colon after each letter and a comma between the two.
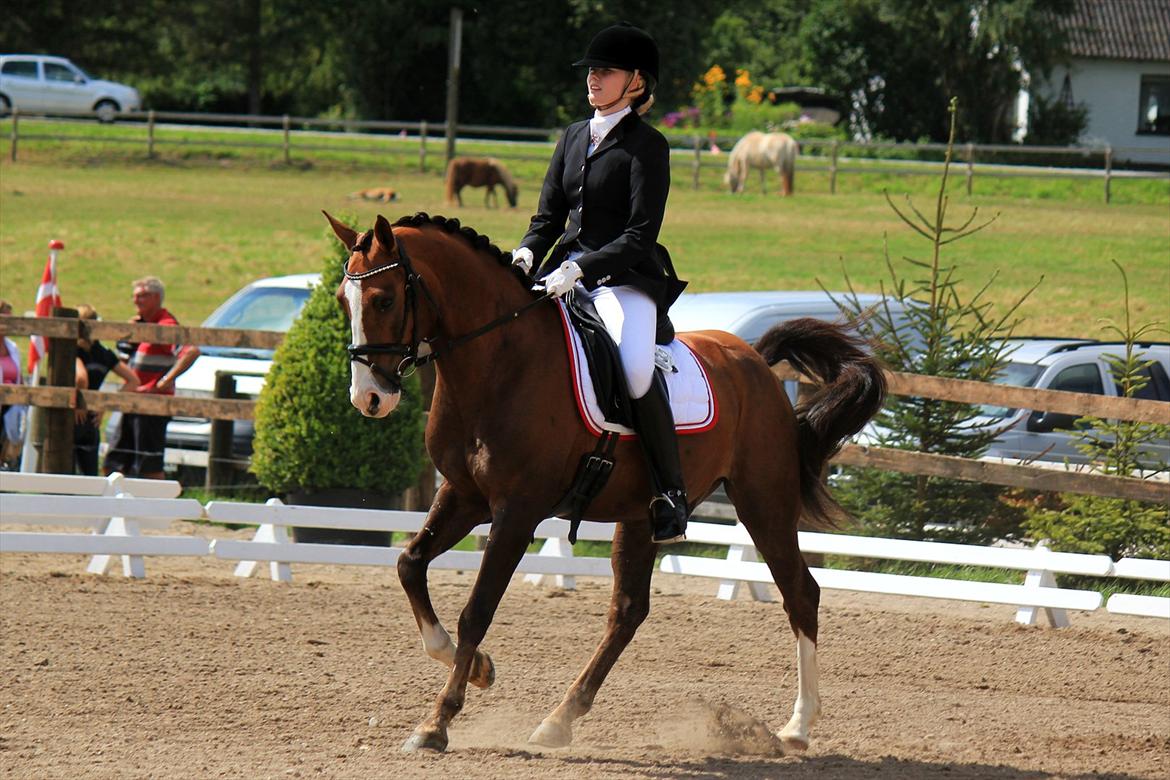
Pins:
x: 626, y: 47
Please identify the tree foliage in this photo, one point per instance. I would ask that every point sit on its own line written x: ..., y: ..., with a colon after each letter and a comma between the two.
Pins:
x: 894, y: 60
x: 945, y: 334
x: 308, y: 435
x: 899, y: 59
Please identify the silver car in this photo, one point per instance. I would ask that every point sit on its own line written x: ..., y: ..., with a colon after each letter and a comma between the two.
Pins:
x: 1073, y: 365
x: 41, y: 84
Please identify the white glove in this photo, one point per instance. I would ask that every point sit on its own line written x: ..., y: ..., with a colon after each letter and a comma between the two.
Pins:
x: 522, y: 258
x: 562, y: 279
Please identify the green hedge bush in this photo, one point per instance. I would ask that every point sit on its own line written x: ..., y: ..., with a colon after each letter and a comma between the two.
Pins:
x: 309, y: 437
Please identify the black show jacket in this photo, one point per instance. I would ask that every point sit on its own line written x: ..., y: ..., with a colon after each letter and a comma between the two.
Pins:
x: 609, y: 205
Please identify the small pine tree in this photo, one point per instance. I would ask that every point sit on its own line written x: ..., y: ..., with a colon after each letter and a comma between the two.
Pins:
x: 1097, y: 524
x: 308, y: 435
x: 944, y: 335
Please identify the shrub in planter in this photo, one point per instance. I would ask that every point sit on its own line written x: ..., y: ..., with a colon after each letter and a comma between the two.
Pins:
x: 311, y: 443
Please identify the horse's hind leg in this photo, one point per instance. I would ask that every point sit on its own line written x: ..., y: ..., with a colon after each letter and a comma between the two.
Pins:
x: 770, y: 511
x: 633, y: 564
x: 451, y: 518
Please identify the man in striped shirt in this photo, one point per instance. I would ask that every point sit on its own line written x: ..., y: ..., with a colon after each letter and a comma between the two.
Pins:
x: 137, y: 449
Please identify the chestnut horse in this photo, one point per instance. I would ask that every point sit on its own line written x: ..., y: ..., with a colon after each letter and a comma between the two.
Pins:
x: 479, y: 172
x: 506, y: 435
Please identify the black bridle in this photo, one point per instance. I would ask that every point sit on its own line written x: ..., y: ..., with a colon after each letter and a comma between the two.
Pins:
x: 409, y: 349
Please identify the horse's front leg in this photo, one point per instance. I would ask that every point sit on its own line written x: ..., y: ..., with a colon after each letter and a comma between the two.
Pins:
x: 633, y: 565
x: 505, y: 547
x: 451, y: 518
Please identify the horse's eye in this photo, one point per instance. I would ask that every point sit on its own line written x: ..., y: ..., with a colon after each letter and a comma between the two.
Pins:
x: 384, y: 303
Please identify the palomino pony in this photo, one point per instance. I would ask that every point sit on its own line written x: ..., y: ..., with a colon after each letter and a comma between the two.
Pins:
x: 762, y: 151
x: 479, y: 172
x: 505, y: 432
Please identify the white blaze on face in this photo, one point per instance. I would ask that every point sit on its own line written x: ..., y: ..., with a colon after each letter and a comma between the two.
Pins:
x: 365, y: 392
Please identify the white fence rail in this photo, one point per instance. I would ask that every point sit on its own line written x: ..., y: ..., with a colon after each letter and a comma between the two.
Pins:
x: 116, y: 517
x: 116, y: 509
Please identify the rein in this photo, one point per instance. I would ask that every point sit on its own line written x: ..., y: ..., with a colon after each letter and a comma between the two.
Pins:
x: 411, y: 359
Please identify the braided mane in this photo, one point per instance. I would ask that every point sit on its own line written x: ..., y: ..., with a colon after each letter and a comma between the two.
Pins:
x: 477, y: 240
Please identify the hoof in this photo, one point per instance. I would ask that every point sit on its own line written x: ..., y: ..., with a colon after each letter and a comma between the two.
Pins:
x: 483, y: 671
x: 551, y: 734
x: 425, y: 740
x: 793, y: 744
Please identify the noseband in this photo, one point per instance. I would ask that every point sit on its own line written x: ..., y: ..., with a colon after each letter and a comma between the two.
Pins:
x: 409, y: 350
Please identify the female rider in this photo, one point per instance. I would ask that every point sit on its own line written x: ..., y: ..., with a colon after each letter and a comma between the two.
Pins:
x: 618, y: 167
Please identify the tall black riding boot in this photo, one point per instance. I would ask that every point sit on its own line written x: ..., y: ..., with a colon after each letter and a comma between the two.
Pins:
x: 655, y: 426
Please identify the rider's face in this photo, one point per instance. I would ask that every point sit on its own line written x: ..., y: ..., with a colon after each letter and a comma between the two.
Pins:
x: 607, y: 85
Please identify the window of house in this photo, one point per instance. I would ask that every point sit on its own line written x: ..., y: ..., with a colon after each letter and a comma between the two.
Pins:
x: 1154, y: 106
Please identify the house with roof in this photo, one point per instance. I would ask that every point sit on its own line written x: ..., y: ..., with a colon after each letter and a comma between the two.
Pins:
x: 1119, y: 68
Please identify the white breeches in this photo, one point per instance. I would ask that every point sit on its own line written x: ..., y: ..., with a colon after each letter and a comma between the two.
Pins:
x: 631, y: 318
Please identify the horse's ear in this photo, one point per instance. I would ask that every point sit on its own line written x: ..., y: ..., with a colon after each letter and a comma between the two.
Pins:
x: 384, y: 234
x: 344, y: 233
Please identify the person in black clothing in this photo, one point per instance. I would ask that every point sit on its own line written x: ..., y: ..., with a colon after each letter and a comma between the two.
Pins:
x: 602, y: 205
x: 94, y: 362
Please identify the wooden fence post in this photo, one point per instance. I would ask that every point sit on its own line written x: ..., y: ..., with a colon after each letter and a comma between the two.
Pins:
x: 219, y: 445
x: 970, y: 166
x: 833, y: 168
x: 422, y: 146
x: 15, y: 134
x: 698, y: 159
x: 150, y: 134
x: 57, y: 455
x: 284, y: 124
x: 1108, y: 170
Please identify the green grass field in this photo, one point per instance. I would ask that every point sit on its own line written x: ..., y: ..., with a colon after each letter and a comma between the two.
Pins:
x: 209, y: 223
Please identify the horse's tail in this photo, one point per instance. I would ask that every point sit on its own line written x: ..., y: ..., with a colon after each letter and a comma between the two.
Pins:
x: 853, y: 390
x: 789, y: 149
x: 452, y: 175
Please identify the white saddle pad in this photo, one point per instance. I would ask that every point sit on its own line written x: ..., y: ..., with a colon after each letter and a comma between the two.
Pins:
x: 691, y: 400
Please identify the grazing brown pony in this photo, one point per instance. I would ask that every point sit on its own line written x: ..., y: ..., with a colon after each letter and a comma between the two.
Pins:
x: 505, y: 433
x: 479, y: 172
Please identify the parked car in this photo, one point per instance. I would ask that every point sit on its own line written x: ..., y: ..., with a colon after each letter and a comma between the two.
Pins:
x: 1075, y: 365
x: 40, y: 84
x: 266, y: 304
x: 749, y: 314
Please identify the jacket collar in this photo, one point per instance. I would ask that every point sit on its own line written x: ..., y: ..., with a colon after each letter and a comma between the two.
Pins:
x: 614, y: 135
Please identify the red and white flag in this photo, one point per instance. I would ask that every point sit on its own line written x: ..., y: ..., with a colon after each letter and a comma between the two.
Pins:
x: 48, y: 297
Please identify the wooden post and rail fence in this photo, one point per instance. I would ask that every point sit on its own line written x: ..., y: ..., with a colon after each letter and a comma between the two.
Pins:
x: 285, y: 136
x: 60, y: 398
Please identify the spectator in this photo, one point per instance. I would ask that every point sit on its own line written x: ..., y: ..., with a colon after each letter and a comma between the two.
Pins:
x: 11, y: 415
x: 94, y: 361
x: 137, y: 449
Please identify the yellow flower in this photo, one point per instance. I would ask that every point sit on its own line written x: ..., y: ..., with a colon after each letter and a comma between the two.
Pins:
x: 743, y: 79
x: 756, y: 95
x: 714, y: 76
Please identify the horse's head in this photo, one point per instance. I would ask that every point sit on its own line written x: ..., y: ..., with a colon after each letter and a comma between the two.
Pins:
x: 379, y: 294
x: 513, y: 192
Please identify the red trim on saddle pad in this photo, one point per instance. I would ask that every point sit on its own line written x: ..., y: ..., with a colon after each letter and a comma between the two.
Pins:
x: 576, y: 376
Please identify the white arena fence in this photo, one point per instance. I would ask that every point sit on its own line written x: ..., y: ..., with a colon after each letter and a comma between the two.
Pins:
x: 116, y: 510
